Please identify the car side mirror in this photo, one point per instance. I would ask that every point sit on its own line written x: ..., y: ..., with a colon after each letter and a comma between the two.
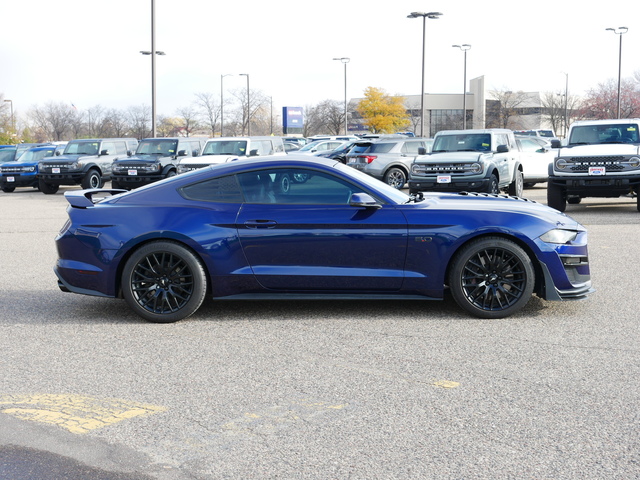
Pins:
x: 555, y: 143
x: 502, y: 149
x: 182, y: 153
x: 104, y: 152
x: 363, y: 200
x: 422, y: 151
x: 253, y: 153
x: 57, y: 153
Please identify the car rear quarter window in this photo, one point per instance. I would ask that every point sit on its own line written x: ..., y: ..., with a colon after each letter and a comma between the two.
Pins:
x: 217, y: 190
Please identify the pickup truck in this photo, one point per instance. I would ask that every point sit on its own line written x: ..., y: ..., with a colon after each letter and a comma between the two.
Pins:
x: 485, y: 160
x: 601, y: 159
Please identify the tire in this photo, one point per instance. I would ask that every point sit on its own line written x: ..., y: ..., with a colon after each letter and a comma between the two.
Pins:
x: 8, y: 189
x: 638, y: 200
x: 493, y: 185
x: 164, y: 282
x: 529, y: 184
x: 283, y: 183
x: 47, y: 188
x: 574, y: 200
x: 91, y: 180
x: 171, y: 173
x: 395, y: 177
x: 556, y: 197
x: 491, y: 278
x: 517, y: 186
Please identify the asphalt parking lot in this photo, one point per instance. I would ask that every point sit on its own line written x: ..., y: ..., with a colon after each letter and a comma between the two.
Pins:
x: 318, y: 390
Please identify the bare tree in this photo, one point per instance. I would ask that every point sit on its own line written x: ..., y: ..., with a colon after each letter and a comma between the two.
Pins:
x: 55, y: 119
x: 118, y: 124
x: 209, y: 110
x: 189, y: 118
x: 505, y: 105
x: 331, y: 116
x: 601, y: 102
x: 140, y: 121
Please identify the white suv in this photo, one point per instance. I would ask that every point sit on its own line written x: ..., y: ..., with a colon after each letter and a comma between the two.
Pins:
x: 229, y: 149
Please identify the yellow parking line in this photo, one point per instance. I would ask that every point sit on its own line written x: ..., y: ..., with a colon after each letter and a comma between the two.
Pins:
x: 76, y: 413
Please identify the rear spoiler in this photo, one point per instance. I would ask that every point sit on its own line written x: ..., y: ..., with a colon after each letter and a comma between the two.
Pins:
x: 88, y: 198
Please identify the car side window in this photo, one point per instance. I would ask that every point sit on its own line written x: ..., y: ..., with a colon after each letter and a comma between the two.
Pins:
x: 120, y: 148
x: 219, y: 190
x: 412, y: 147
x: 295, y: 187
x: 110, y: 147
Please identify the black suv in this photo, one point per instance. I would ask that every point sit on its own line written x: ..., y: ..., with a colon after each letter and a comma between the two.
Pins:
x: 84, y: 162
x: 155, y: 159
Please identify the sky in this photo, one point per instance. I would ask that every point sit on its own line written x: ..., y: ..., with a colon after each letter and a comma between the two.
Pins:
x: 87, y: 53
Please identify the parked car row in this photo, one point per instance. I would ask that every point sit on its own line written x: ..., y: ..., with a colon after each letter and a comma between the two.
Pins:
x: 488, y: 160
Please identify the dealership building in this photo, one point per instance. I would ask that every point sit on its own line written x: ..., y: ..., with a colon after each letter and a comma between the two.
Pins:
x: 483, y: 109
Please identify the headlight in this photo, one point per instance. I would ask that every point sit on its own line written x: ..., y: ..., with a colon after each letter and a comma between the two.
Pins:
x: 560, y: 236
x: 418, y: 169
x: 475, y: 168
x: 73, y: 166
x: 154, y: 167
x: 561, y: 164
x: 634, y: 162
x: 182, y: 169
x: 29, y: 169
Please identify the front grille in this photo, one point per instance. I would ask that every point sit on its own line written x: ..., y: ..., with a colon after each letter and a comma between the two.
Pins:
x: 459, y: 168
x: 585, y: 167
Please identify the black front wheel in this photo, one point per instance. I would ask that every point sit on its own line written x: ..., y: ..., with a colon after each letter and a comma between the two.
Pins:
x: 556, y: 197
x: 492, y: 187
x: 47, y: 188
x: 92, y: 179
x: 164, y: 282
x: 517, y: 186
x: 8, y: 189
x: 491, y: 278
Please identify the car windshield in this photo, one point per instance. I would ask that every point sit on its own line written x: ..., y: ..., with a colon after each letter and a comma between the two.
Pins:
x: 33, y: 156
x: 82, y: 148
x: 166, y: 148
x: 600, y: 134
x: 7, y: 155
x: 546, y: 133
x: 464, y: 142
x: 311, y: 146
x: 226, y: 147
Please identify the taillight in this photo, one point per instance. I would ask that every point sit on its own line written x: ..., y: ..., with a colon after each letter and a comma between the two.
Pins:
x: 368, y: 158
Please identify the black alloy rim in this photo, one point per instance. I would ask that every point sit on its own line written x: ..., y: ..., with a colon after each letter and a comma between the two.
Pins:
x: 162, y: 283
x: 494, y: 279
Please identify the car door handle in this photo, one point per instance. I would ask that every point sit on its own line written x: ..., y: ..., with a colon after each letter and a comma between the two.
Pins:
x: 260, y: 223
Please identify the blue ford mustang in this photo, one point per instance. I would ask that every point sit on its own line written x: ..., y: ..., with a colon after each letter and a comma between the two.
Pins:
x: 295, y: 227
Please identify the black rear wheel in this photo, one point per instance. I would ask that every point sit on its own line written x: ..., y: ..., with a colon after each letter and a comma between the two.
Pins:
x: 164, y: 282
x: 92, y: 179
x: 8, y: 189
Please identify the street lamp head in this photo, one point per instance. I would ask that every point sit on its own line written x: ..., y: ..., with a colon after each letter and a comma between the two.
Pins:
x: 464, y: 47
x: 432, y: 15
x: 343, y: 59
x: 619, y: 30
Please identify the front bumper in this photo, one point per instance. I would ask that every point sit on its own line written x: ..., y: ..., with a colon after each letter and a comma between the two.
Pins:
x: 17, y: 180
x: 596, y: 186
x: 431, y: 184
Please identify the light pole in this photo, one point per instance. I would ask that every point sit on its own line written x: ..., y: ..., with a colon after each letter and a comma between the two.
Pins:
x: 619, y: 31
x: 13, y: 123
x: 248, y: 105
x: 222, y: 103
x: 432, y: 15
x: 153, y: 52
x: 464, y: 47
x: 345, y: 60
x: 566, y: 104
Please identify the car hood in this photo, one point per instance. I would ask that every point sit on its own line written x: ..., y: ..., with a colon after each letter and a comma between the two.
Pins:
x: 606, y: 149
x: 141, y: 158
x: 449, y: 156
x: 211, y: 159
x: 18, y: 164
x: 62, y: 158
x: 486, y: 205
